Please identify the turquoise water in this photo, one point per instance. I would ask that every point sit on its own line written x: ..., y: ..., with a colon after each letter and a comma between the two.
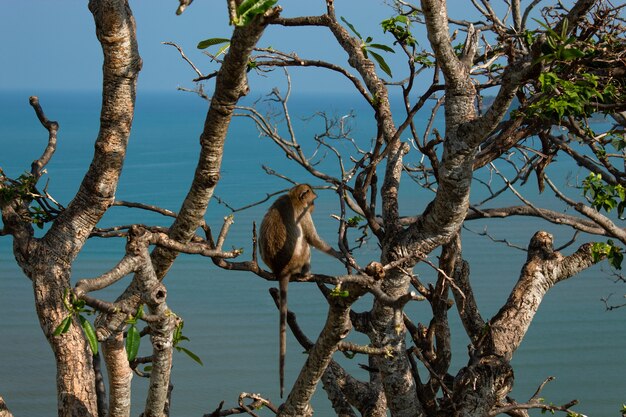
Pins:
x: 229, y: 316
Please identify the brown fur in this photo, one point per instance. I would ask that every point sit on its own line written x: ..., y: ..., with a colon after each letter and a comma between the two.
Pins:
x: 287, y: 231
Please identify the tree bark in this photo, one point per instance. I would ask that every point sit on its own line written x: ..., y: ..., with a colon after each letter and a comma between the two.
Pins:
x: 47, y: 262
x: 120, y: 376
x: 4, y: 410
x: 230, y: 86
x: 336, y: 328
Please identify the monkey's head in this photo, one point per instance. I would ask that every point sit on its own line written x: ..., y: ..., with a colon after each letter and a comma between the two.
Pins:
x: 302, y: 195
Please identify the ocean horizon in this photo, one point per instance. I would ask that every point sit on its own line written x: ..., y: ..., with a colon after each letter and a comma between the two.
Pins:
x: 229, y: 316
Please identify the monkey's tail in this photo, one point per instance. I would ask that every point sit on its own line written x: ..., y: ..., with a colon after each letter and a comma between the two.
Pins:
x: 282, y: 340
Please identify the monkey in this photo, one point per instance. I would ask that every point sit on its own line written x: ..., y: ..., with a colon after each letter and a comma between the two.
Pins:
x: 286, y: 234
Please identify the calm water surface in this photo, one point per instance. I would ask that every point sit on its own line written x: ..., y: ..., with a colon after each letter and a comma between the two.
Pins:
x: 229, y: 316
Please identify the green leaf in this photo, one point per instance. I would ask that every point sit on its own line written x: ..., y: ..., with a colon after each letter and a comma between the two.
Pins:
x: 245, y: 6
x: 64, y: 326
x: 615, y: 259
x: 251, y: 8
x: 212, y: 41
x: 67, y: 305
x: 338, y: 292
x: 354, y: 221
x: 381, y: 62
x: 133, y: 339
x: 343, y: 19
x: 90, y: 332
x: 349, y: 354
x: 222, y: 49
x: 571, y: 54
x: 382, y: 47
x: 190, y: 354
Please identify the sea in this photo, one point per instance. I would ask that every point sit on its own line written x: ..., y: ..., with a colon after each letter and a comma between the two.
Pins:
x: 230, y: 319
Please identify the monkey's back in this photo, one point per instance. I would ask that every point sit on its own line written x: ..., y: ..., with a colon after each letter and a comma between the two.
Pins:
x: 281, y: 241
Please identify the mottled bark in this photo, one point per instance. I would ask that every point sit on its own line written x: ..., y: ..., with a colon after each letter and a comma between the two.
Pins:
x: 230, y: 86
x: 120, y: 376
x: 479, y: 387
x: 48, y: 261
x: 4, y: 410
x: 337, y: 327
x: 344, y: 391
x: 544, y: 268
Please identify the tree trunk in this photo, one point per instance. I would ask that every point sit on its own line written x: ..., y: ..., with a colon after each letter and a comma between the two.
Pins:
x: 76, y: 389
x: 47, y: 261
x: 4, y: 410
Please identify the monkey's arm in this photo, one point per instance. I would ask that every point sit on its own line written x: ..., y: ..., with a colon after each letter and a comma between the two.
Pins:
x: 318, y: 243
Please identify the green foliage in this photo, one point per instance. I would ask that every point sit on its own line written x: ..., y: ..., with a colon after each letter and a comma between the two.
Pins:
x: 563, y: 97
x: 213, y: 41
x: 90, y: 333
x: 400, y: 28
x: 133, y: 336
x: 338, y: 292
x: 178, y: 337
x: 76, y: 307
x: 618, y: 140
x: 614, y: 255
x: 133, y: 340
x: 604, y: 196
x: 568, y: 85
x: 368, y: 48
x: 23, y: 188
x: 354, y: 221
x: 249, y: 9
x: 560, y: 46
x: 64, y: 326
x: 424, y: 59
x: 349, y: 354
x: 529, y: 37
x: 251, y: 65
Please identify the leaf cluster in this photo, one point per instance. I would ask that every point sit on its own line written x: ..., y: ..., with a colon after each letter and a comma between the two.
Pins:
x: 368, y: 48
x: 249, y: 9
x: 562, y: 97
x: 23, y: 188
x: 576, y: 72
x: 609, y: 251
x: 604, y: 196
x: 559, y: 46
x: 179, y: 337
x: 400, y: 28
x: 76, y: 308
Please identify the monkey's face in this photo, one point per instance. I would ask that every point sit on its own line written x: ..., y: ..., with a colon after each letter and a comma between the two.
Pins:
x: 305, y: 195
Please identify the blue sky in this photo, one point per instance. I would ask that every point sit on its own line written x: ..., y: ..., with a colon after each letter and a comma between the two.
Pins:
x: 51, y: 44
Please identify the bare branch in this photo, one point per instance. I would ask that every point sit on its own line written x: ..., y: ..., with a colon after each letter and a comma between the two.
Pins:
x: 544, y: 269
x: 52, y: 127
x: 182, y: 6
x: 535, y: 402
x: 600, y: 219
x: 180, y: 50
